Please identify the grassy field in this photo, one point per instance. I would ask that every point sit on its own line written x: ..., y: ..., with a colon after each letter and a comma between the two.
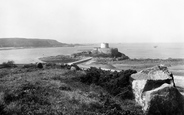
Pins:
x: 56, y: 91
x: 60, y: 59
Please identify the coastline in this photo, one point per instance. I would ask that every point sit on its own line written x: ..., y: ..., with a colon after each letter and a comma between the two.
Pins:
x: 11, y: 48
x: 176, y: 66
x: 14, y: 48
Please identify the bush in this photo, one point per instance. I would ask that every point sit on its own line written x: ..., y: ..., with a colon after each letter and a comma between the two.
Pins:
x: 92, y: 76
x: 39, y: 65
x: 116, y: 83
x: 8, y: 64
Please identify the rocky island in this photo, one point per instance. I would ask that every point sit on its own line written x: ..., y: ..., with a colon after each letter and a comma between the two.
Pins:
x: 104, y: 52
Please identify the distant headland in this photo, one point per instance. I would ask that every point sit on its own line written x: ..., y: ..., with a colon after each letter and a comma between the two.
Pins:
x: 34, y: 43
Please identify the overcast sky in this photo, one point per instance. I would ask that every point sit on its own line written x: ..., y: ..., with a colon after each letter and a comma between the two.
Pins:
x: 94, y: 21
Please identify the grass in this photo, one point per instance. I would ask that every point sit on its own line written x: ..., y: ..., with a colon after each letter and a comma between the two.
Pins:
x: 55, y: 91
x: 59, y: 59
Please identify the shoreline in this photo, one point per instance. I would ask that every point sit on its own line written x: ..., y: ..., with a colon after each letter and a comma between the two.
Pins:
x: 175, y: 65
x: 15, y: 48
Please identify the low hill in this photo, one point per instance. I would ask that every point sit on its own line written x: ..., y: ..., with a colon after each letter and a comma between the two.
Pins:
x: 24, y: 42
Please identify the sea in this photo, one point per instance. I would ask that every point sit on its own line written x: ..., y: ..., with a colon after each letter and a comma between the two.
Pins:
x: 133, y: 50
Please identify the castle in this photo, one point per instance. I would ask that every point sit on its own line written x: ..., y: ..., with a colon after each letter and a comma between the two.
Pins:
x: 104, y: 45
x: 105, y: 49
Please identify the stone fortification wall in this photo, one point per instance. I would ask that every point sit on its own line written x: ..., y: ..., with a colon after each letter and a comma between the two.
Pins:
x: 108, y: 50
x: 112, y: 51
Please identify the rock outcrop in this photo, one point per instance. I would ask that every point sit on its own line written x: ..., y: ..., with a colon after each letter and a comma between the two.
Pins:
x: 155, y: 91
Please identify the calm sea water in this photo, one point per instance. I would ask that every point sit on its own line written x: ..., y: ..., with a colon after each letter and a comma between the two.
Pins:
x: 149, y: 50
x: 146, y: 50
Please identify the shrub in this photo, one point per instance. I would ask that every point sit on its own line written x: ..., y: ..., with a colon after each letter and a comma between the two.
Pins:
x: 39, y: 65
x: 8, y: 64
x: 92, y: 76
x: 116, y: 83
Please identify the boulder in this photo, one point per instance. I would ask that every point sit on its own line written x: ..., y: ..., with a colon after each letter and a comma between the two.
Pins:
x: 39, y: 65
x: 165, y: 100
x: 73, y: 68
x: 154, y: 89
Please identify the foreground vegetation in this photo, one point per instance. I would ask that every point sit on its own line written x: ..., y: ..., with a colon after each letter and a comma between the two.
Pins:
x: 54, y: 91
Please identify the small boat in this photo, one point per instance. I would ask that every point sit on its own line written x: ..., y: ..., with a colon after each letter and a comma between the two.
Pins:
x: 155, y: 46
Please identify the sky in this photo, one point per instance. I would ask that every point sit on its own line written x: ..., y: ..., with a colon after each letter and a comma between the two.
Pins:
x: 94, y: 21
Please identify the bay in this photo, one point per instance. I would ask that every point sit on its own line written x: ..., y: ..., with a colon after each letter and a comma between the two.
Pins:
x: 133, y: 50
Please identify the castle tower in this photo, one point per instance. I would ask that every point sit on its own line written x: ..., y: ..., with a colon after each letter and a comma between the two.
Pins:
x: 104, y: 45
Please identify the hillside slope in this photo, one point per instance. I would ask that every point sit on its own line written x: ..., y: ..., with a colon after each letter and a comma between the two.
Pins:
x: 57, y: 91
x: 24, y: 42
